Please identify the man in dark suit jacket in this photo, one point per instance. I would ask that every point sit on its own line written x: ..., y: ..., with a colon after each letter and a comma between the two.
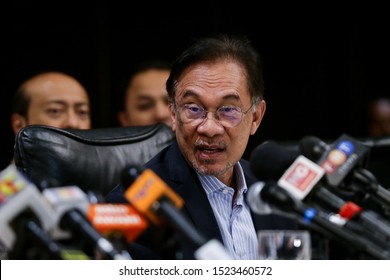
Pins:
x: 216, y: 103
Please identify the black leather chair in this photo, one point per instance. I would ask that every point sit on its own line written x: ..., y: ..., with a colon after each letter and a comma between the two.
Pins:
x: 90, y: 159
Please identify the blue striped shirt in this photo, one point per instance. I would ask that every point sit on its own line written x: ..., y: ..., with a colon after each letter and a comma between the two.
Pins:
x: 234, y: 218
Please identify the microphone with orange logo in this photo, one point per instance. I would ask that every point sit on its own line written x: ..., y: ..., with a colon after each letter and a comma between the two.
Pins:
x: 152, y: 197
x: 121, y: 224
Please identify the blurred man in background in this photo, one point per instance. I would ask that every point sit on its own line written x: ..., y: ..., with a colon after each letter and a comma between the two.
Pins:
x: 145, y: 99
x: 51, y: 98
x: 379, y: 117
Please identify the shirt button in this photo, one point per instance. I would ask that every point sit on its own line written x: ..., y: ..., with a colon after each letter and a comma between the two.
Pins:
x: 225, y: 191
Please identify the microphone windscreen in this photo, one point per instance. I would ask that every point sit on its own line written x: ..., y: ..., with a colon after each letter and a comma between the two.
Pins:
x: 270, y: 160
x: 312, y: 147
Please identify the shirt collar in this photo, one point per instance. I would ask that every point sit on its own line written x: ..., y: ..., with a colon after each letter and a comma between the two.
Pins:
x: 211, y: 184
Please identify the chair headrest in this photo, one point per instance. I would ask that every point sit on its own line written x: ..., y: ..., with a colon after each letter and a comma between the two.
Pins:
x: 90, y: 159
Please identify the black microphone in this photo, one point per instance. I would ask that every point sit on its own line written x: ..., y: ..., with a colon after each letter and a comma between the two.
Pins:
x: 341, y: 158
x: 269, y: 158
x: 312, y: 147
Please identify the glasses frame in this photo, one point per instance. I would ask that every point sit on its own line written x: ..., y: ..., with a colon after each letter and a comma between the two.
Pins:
x: 215, y: 113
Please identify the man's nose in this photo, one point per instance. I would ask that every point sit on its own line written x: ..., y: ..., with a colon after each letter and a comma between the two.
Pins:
x: 72, y: 120
x: 210, y: 125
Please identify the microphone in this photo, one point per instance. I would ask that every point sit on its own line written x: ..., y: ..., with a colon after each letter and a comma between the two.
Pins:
x: 119, y: 223
x: 280, y: 198
x: 337, y: 164
x: 303, y: 179
x: 152, y: 197
x: 312, y: 147
x: 260, y: 207
x: 70, y: 205
x: 26, y: 219
x: 338, y: 159
x: 344, y: 155
x: 109, y: 219
x: 269, y: 158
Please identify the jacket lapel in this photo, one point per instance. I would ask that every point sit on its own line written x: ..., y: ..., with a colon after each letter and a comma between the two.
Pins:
x: 186, y: 184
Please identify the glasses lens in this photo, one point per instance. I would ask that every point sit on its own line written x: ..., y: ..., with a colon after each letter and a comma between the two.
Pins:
x: 193, y: 112
x: 229, y: 116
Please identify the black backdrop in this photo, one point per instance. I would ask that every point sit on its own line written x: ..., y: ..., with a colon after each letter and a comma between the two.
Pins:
x: 322, y: 63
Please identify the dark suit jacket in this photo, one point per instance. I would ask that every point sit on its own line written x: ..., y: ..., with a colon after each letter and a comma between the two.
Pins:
x: 171, y: 166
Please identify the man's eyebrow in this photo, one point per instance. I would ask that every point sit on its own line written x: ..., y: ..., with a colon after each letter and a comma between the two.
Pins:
x: 81, y: 104
x: 64, y: 103
x: 144, y: 97
x: 191, y: 93
x: 60, y: 102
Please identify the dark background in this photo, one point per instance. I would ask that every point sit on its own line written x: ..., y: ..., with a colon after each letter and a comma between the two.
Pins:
x: 322, y: 63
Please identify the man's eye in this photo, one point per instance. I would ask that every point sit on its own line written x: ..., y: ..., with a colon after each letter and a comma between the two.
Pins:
x: 145, y: 106
x: 53, y: 112
x: 194, y: 109
x: 227, y: 110
x: 83, y: 113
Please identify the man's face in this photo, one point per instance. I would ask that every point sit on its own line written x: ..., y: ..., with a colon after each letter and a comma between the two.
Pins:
x: 209, y: 146
x: 58, y: 101
x: 147, y: 99
x: 380, y: 118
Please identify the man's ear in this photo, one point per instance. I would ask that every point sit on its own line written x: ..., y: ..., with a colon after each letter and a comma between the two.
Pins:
x: 17, y: 122
x: 258, y: 116
x: 172, y: 112
x: 122, y: 118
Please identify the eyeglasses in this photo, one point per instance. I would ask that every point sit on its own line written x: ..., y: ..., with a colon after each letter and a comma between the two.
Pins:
x: 227, y: 116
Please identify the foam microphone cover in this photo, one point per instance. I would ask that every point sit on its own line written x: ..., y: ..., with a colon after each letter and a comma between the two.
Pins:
x: 270, y: 160
x: 312, y: 147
